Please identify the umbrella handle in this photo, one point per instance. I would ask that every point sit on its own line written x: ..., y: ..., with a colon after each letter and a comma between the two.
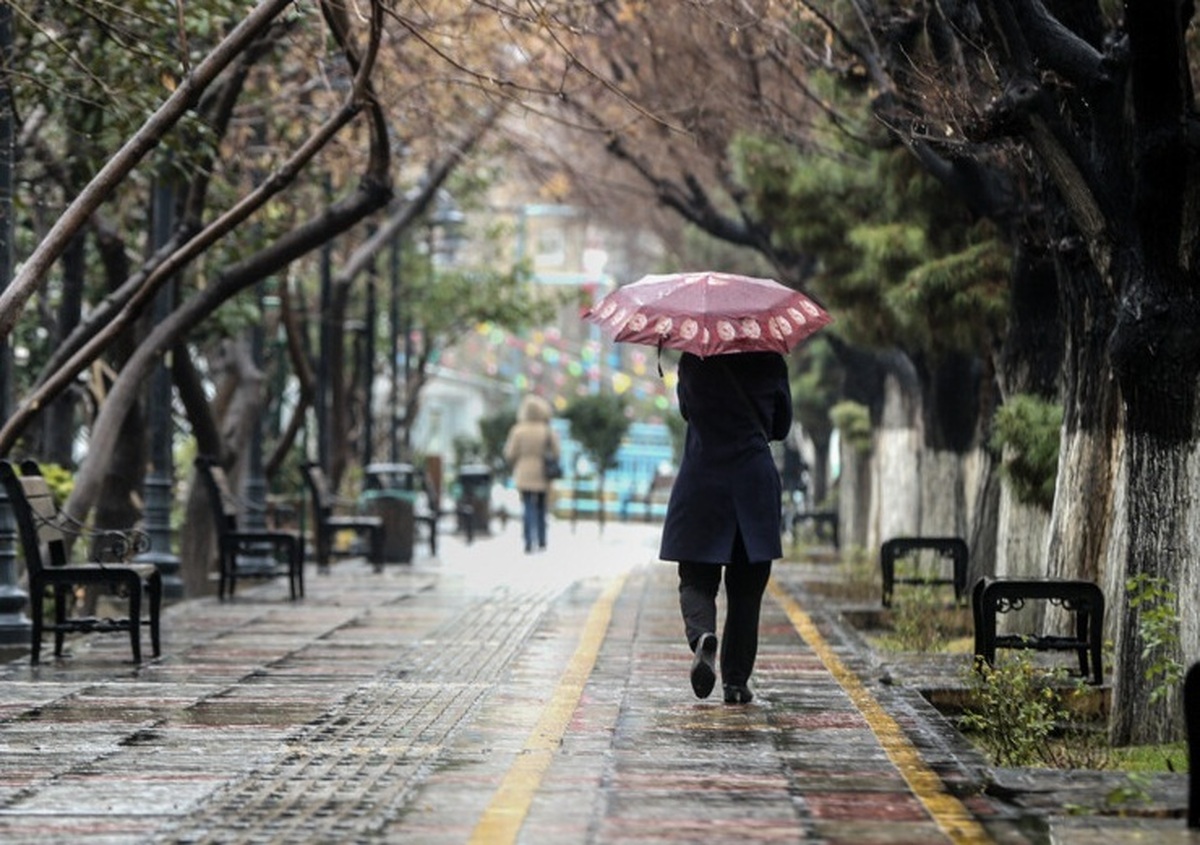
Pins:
x: 660, y: 372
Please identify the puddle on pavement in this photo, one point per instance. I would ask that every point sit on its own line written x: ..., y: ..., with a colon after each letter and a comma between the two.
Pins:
x: 245, y: 713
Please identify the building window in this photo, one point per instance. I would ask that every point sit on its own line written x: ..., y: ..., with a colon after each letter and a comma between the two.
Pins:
x: 551, y: 247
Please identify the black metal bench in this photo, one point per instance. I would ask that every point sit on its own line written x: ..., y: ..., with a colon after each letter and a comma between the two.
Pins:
x: 327, y: 522
x: 824, y: 523
x: 245, y: 552
x: 953, y: 549
x: 991, y: 597
x: 41, y: 524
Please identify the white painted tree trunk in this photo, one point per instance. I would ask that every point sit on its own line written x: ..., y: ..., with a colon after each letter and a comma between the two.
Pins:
x: 1020, y: 541
x: 895, y: 462
x: 943, y: 494
x: 1084, y: 496
x: 895, y: 486
x: 1154, y: 534
x: 854, y: 498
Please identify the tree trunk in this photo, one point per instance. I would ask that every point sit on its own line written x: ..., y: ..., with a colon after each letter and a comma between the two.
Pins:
x: 854, y: 498
x: 1158, y: 478
x: 896, y: 479
x: 943, y: 494
x: 1020, y: 543
x: 62, y: 419
x: 1084, y: 487
x: 197, y: 542
x: 983, y: 531
x: 818, y: 474
x: 1155, y: 353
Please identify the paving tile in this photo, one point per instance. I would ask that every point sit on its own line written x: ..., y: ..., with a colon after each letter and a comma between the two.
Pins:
x: 397, y: 707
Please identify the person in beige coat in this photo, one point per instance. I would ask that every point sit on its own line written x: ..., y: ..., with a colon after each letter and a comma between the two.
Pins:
x: 529, y: 441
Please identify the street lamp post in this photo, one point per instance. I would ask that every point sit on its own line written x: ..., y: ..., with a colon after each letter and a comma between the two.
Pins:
x: 324, y: 346
x: 394, y: 352
x: 14, y: 624
x: 158, y: 483
x: 260, y: 562
x: 368, y: 361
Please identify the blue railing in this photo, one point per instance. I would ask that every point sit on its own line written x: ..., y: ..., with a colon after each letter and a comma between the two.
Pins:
x: 644, y: 460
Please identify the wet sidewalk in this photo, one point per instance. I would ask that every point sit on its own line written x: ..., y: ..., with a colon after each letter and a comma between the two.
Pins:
x: 487, y: 696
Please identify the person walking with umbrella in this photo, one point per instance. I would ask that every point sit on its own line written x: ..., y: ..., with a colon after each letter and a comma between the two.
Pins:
x: 723, y: 521
x: 530, y: 444
x: 723, y: 516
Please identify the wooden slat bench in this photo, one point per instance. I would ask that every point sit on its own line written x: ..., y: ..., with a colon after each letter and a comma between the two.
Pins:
x: 44, y: 529
x: 327, y: 522
x: 273, y: 553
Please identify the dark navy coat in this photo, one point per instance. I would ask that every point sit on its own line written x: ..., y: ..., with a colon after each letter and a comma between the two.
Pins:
x: 727, y: 479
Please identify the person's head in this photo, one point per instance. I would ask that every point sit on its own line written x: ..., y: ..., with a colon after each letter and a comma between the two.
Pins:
x: 534, y: 409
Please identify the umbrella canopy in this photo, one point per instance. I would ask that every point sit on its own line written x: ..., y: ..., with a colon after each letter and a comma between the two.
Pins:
x: 709, y: 314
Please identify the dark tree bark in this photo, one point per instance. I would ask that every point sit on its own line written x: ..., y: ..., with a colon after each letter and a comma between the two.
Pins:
x: 1107, y: 113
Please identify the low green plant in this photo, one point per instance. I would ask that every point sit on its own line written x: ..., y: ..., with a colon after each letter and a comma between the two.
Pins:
x: 59, y: 480
x: 1026, y: 430
x: 919, y: 622
x: 1168, y: 757
x: 1014, y: 709
x: 861, y: 572
x: 1158, y: 625
x: 853, y: 422
x: 1134, y: 791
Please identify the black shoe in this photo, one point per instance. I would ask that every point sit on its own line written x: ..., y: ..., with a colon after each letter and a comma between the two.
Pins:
x: 704, y: 666
x: 738, y: 694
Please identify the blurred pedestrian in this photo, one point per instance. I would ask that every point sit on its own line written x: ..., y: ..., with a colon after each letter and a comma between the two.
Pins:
x: 723, y: 516
x: 530, y: 447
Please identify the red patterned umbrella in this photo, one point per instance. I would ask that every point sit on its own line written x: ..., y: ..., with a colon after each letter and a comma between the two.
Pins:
x: 709, y: 314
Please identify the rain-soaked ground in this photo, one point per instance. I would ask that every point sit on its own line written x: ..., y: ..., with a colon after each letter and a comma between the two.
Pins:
x: 489, y: 696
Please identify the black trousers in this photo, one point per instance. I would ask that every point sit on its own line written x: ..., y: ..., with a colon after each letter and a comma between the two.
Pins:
x: 745, y: 583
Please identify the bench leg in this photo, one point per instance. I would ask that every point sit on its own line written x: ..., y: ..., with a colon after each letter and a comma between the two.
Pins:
x: 62, y: 596
x: 155, y: 585
x: 298, y: 565
x: 987, y: 649
x: 377, y: 547
x: 134, y: 585
x: 324, y: 548
x: 294, y: 567
x: 889, y: 579
x: 37, y: 599
x: 1082, y: 628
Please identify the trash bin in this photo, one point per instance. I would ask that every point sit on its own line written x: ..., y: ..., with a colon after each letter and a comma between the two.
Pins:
x: 391, y: 495
x: 475, y: 482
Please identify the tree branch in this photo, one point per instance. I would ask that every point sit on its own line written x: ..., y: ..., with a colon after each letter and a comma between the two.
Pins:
x: 34, y: 270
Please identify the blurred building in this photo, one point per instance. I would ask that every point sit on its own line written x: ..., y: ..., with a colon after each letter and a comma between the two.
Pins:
x: 569, y: 250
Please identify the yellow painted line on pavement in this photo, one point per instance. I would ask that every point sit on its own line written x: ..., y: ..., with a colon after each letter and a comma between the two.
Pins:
x: 947, y: 811
x: 502, y: 820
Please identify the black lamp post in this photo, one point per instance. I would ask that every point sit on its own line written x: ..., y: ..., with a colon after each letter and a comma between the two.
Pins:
x: 158, y: 483
x: 368, y: 364
x: 14, y: 624
x: 394, y: 351
x: 255, y: 517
